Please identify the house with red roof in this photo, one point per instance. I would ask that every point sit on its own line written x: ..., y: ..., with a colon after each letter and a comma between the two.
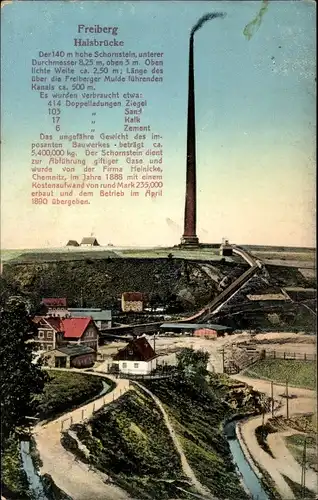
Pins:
x: 54, y: 306
x: 53, y: 332
x: 136, y: 358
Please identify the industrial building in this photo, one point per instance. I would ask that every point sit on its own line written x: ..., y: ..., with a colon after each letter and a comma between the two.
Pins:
x: 191, y: 328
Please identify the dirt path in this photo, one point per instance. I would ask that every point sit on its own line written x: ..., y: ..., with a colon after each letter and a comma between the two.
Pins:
x: 72, y: 476
x: 283, y: 463
x: 187, y: 470
x: 291, y: 467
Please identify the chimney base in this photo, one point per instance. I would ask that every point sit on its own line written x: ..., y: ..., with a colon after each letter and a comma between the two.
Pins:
x: 190, y: 241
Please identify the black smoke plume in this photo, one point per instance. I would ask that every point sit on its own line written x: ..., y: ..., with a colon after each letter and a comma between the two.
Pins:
x: 204, y: 19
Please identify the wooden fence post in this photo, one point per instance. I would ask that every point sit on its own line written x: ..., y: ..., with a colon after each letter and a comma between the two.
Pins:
x: 284, y: 355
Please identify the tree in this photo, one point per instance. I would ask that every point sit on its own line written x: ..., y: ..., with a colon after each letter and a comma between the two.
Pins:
x: 20, y: 379
x: 193, y: 363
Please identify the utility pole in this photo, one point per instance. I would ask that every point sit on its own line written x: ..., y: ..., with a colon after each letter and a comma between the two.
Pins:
x: 287, y: 401
x: 303, y: 471
x: 303, y: 467
x: 263, y: 421
x: 272, y: 397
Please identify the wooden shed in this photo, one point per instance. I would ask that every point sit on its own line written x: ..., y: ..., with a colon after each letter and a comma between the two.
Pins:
x: 206, y: 333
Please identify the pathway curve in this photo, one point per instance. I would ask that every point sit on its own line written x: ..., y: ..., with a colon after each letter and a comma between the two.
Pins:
x: 75, y: 478
x: 283, y: 463
x: 187, y: 470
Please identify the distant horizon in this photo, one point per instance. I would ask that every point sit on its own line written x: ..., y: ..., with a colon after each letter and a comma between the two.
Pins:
x: 141, y: 247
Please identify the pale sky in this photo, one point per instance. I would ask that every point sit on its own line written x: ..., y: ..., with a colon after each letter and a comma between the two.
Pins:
x: 255, y: 121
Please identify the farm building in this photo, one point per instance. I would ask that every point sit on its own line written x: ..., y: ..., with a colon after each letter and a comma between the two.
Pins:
x: 89, y: 242
x: 136, y: 358
x: 132, y: 301
x: 72, y: 243
x: 78, y: 356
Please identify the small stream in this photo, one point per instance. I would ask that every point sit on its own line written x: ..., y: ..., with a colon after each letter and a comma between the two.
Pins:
x: 250, y: 479
x: 34, y: 479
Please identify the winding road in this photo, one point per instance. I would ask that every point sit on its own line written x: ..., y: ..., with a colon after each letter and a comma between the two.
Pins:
x: 72, y: 476
x: 283, y: 463
x: 77, y: 479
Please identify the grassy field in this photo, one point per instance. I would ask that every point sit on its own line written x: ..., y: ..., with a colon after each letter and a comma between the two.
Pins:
x: 128, y: 439
x: 295, y: 444
x: 65, y: 391
x: 298, y: 373
x: 78, y: 253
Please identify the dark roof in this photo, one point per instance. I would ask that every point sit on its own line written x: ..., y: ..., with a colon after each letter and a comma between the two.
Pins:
x: 133, y: 296
x: 96, y: 314
x: 54, y: 302
x: 193, y: 326
x: 137, y: 350
x: 90, y: 241
x: 55, y: 323
x: 75, y: 350
x: 72, y: 243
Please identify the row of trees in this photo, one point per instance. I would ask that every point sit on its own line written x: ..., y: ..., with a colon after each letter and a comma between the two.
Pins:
x: 20, y: 379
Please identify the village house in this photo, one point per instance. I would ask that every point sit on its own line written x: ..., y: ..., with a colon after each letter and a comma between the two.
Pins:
x: 54, y: 306
x: 102, y: 318
x: 136, y: 358
x: 89, y: 242
x: 72, y: 243
x: 54, y: 332
x: 71, y: 356
x: 132, y: 301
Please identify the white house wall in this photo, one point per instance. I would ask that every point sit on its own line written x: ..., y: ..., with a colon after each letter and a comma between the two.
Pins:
x: 137, y: 367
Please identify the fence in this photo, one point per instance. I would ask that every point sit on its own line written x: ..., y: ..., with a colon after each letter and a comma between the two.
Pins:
x: 86, y: 412
x: 301, y: 356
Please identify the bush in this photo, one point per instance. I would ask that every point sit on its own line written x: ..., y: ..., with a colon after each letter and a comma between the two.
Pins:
x: 66, y: 390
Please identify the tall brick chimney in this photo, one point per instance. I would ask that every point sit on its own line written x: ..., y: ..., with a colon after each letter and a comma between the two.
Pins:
x: 189, y: 237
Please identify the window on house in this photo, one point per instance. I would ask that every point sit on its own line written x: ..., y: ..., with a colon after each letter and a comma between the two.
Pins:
x: 49, y: 335
x: 124, y: 365
x: 136, y: 365
x: 41, y: 334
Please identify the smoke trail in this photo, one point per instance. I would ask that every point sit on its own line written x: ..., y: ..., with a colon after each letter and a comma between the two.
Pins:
x: 206, y: 18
